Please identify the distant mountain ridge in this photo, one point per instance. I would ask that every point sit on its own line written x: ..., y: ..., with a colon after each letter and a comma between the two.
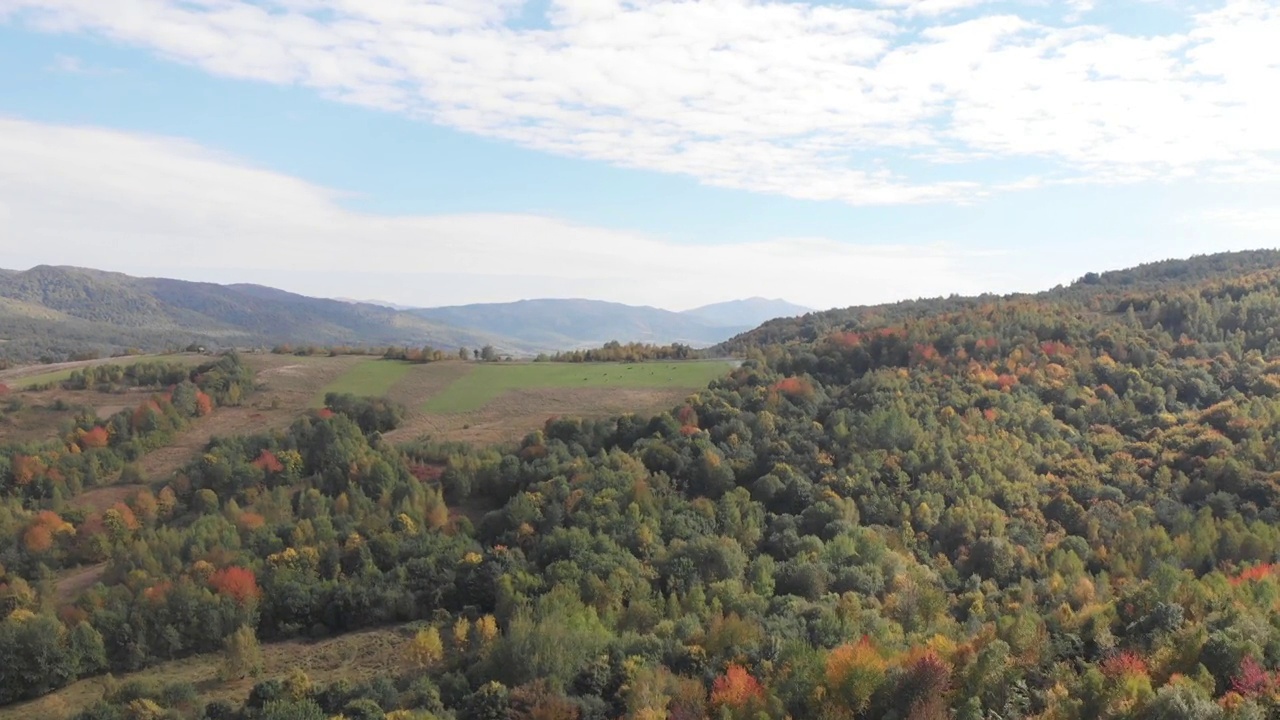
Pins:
x: 570, y: 324
x: 56, y: 311
x: 749, y: 312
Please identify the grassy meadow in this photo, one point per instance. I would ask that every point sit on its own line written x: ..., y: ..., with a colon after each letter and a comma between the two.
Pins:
x: 488, y: 382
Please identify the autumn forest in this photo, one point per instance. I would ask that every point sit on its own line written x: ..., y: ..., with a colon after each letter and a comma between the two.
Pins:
x: 1060, y: 506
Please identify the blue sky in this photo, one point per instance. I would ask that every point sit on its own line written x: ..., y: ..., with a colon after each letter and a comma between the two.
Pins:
x: 647, y: 151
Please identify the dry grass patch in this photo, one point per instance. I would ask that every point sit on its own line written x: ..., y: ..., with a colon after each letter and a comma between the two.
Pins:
x: 100, y: 498
x: 515, y: 414
x: 356, y: 657
x: 72, y: 583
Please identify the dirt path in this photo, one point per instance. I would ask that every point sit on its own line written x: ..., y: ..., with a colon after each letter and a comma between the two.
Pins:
x: 76, y: 580
x: 22, y: 371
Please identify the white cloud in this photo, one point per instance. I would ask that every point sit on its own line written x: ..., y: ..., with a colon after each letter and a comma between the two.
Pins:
x: 1258, y: 220
x: 799, y: 99
x: 73, y: 65
x: 151, y: 205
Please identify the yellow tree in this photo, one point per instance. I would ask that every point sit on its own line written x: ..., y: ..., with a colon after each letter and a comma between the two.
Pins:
x: 426, y: 650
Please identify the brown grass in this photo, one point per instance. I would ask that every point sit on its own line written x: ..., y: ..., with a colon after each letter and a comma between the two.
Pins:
x: 355, y: 657
x: 15, y: 373
x: 100, y: 498
x: 286, y: 387
x: 71, y: 583
x: 515, y: 414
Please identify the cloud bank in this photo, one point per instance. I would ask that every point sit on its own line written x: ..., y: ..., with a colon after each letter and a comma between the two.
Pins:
x: 901, y: 102
x: 154, y: 205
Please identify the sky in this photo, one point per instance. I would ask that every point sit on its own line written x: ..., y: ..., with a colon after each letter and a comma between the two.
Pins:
x: 661, y: 152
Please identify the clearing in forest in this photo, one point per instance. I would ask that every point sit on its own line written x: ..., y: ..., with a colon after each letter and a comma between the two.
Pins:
x: 356, y: 657
x: 490, y: 381
x: 369, y: 377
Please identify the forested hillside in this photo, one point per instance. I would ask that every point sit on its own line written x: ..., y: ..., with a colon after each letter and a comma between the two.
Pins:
x: 57, y: 312
x: 1061, y: 506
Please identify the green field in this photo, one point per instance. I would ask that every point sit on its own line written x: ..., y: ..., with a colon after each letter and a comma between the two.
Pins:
x: 29, y: 381
x: 372, y: 378
x: 23, y: 382
x: 486, y: 382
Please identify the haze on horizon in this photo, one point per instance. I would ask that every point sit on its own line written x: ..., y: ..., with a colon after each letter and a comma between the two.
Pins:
x: 653, y: 153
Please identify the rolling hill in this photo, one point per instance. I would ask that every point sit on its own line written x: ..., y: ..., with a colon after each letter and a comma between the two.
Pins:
x: 569, y: 324
x: 57, y: 311
x: 52, y: 313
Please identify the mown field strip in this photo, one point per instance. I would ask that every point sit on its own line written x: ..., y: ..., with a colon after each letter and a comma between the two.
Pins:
x: 370, y: 377
x: 490, y: 381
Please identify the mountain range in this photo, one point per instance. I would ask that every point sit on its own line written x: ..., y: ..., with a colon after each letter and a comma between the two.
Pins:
x: 53, y: 312
x: 570, y: 324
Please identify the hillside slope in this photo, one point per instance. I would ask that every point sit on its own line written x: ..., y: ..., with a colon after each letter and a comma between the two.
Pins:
x: 55, y: 311
x: 1098, y: 292
x: 569, y: 324
x: 1063, y: 505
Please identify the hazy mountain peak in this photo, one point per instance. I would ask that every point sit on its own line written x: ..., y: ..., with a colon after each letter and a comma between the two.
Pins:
x: 750, y: 311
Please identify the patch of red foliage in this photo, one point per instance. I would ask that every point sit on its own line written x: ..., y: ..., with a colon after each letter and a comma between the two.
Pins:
x: 1257, y: 572
x: 325, y: 413
x: 794, y: 387
x: 735, y: 688
x: 268, y: 462
x: 204, y: 404
x: 1124, y: 664
x: 923, y: 353
x: 1055, y: 349
x: 26, y: 468
x: 159, y: 592
x: 95, y: 438
x: 1252, y: 679
x: 235, y: 582
x: 847, y: 339
x: 1006, y: 381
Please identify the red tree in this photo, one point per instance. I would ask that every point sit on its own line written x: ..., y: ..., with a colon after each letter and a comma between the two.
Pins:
x: 26, y: 468
x: 235, y: 582
x: 269, y: 462
x: 95, y: 438
x: 204, y: 403
x: 1125, y: 663
x: 38, y: 538
x: 1252, y: 679
x: 736, y: 688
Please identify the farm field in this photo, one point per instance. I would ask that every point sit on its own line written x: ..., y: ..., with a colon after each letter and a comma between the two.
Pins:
x: 487, y: 382
x: 501, y: 402
x: 470, y: 402
x: 21, y: 378
x: 371, y: 377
